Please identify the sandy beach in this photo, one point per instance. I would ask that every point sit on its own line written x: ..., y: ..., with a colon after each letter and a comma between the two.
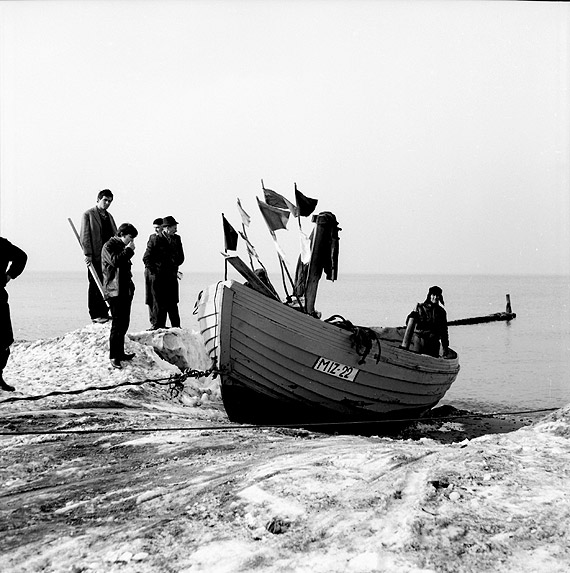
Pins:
x: 140, y: 479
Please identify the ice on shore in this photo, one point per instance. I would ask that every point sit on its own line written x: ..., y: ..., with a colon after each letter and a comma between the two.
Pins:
x: 80, y: 359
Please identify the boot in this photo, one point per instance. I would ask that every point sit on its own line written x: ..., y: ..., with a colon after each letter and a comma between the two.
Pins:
x: 4, y: 386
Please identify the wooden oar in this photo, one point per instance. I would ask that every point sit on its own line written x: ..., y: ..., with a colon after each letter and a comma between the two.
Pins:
x: 90, y: 265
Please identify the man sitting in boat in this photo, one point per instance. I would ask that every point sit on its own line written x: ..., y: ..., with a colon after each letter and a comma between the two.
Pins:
x: 431, y: 324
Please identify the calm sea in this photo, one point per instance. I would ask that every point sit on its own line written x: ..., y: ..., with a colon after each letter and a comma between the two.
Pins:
x: 522, y: 364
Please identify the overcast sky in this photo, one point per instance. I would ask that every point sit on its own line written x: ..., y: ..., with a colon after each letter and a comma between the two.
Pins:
x: 437, y: 132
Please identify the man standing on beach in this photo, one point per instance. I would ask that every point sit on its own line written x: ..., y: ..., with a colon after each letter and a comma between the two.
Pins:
x: 97, y: 227
x: 119, y: 288
x: 163, y: 257
x: 12, y: 263
x: 149, y: 277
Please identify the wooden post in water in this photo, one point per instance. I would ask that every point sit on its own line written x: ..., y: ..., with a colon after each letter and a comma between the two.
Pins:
x: 497, y: 316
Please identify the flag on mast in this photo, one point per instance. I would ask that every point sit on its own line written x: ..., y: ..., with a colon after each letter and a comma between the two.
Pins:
x: 278, y: 248
x: 230, y: 235
x: 274, y: 217
x: 250, y: 248
x: 305, y: 205
x: 245, y: 218
x: 305, y: 247
x: 275, y: 199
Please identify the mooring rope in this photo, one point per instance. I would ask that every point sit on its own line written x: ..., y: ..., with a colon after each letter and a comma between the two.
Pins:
x: 299, y: 426
x: 174, y: 381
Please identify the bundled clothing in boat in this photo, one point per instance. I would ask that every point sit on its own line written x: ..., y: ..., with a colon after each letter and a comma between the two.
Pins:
x: 163, y: 256
x: 119, y: 287
x: 12, y: 263
x: 324, y: 252
x: 431, y: 324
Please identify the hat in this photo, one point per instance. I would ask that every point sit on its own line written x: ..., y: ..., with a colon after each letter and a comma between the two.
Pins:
x: 437, y: 291
x: 157, y: 221
x: 169, y: 221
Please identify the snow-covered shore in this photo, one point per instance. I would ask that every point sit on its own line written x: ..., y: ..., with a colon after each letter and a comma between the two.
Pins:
x: 153, y: 497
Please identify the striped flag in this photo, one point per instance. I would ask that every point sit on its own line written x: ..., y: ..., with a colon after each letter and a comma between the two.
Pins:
x: 245, y: 218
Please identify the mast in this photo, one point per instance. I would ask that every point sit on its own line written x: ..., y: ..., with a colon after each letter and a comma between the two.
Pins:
x: 324, y: 256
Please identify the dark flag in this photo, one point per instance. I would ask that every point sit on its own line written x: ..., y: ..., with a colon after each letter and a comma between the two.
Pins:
x: 274, y: 217
x: 230, y: 235
x: 275, y: 199
x: 305, y: 205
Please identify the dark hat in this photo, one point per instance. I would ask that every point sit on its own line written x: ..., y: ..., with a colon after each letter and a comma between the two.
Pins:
x: 169, y: 221
x: 437, y: 291
x: 157, y: 221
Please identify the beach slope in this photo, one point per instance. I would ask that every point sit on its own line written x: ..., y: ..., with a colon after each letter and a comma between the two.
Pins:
x: 142, y: 478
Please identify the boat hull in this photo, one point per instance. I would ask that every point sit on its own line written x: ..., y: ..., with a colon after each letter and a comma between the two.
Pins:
x: 279, y: 365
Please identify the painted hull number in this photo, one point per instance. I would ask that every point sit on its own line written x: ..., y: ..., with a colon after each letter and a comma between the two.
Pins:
x: 335, y: 369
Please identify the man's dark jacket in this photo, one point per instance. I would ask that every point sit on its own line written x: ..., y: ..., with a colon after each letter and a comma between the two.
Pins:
x: 116, y: 262
x: 12, y: 263
x: 162, y: 258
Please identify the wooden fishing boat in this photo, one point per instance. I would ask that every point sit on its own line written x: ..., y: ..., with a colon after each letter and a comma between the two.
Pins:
x: 280, y: 363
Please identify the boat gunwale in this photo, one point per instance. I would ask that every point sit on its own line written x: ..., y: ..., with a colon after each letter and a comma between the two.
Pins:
x: 335, y: 333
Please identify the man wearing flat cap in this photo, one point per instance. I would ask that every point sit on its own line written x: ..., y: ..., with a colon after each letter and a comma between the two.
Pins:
x: 163, y: 257
x: 431, y: 324
x: 148, y: 276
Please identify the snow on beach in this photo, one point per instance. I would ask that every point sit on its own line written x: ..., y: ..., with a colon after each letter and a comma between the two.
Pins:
x: 255, y: 499
x: 79, y: 360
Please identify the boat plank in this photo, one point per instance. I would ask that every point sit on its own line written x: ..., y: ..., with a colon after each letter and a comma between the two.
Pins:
x: 405, y: 362
x: 290, y: 363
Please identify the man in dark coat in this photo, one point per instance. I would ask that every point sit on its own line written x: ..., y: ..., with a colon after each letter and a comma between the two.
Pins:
x: 97, y: 227
x: 12, y: 263
x: 148, y: 277
x: 163, y: 257
x: 119, y: 288
x: 431, y: 323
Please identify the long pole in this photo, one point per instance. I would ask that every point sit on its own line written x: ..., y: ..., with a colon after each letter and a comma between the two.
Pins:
x: 90, y: 265
x: 250, y: 257
x: 285, y: 270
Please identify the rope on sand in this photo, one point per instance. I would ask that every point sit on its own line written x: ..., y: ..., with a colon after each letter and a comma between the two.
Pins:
x: 175, y: 383
x: 300, y: 426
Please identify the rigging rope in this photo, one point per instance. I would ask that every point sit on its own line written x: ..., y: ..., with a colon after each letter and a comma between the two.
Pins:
x: 361, y: 339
